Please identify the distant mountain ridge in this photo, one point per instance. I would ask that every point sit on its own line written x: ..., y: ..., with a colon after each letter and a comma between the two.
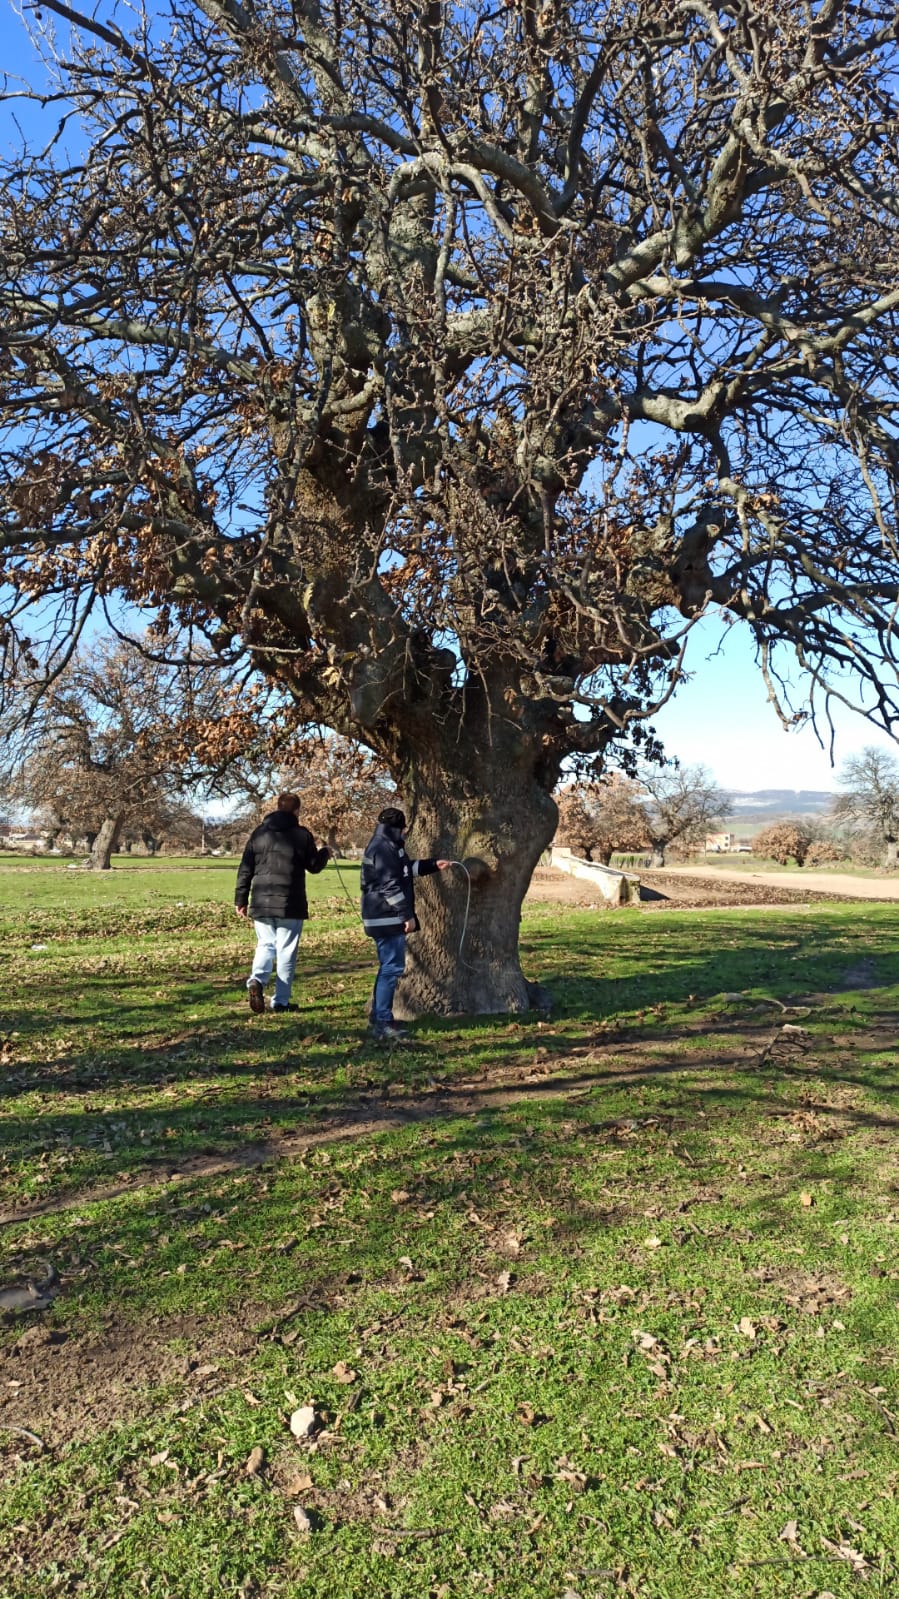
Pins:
x: 772, y: 804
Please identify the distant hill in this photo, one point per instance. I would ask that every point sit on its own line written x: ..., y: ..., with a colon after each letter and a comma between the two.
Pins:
x: 765, y: 805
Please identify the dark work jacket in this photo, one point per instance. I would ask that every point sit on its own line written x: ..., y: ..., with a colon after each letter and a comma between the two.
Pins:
x: 388, y: 883
x: 277, y: 856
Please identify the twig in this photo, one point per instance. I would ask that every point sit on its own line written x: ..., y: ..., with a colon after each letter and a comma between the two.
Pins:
x: 413, y: 1532
x: 794, y: 1560
x: 6, y: 1426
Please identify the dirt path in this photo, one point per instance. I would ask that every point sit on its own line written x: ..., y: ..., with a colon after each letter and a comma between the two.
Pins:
x: 841, y: 885
x: 705, y: 888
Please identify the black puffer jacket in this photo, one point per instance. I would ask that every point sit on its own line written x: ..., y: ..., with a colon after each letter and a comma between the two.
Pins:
x: 388, y: 883
x: 277, y: 856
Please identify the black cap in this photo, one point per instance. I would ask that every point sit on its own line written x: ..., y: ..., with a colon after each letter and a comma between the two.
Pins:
x: 391, y: 816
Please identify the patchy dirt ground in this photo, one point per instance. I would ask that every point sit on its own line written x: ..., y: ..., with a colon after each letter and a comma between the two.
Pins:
x: 677, y: 891
x: 58, y: 1389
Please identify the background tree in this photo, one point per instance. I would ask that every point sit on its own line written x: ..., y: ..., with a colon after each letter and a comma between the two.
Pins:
x: 119, y: 739
x: 682, y: 804
x: 784, y: 841
x: 823, y: 852
x: 870, y: 800
x: 576, y: 830
x: 600, y: 818
x: 342, y: 788
x: 453, y: 362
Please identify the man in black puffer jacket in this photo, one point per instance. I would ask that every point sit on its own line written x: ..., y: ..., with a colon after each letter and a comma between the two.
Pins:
x: 277, y: 856
x: 388, y: 913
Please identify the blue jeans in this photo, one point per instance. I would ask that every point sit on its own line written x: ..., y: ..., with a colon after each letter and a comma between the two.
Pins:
x: 277, y: 941
x: 391, y: 965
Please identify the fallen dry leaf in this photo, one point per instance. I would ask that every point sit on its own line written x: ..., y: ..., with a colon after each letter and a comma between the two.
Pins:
x: 746, y: 1327
x: 644, y: 1340
x: 845, y: 1551
x: 299, y: 1484
x: 343, y: 1373
x: 254, y: 1461
x: 400, y: 1196
x: 806, y: 1199
x: 501, y: 1509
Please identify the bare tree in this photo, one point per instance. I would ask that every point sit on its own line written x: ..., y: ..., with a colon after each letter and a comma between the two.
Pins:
x: 117, y: 741
x: 682, y: 804
x: 453, y: 362
x: 870, y: 799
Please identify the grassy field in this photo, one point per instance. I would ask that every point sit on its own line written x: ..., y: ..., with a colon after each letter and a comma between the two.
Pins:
x: 595, y: 1305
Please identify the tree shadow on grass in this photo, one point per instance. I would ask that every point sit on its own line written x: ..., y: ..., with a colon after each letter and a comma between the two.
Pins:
x: 785, y: 954
x: 743, y: 1070
x: 447, y: 1205
x: 334, y: 1078
x: 783, y: 957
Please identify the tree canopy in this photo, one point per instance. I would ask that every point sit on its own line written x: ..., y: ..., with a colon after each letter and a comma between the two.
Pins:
x: 454, y: 361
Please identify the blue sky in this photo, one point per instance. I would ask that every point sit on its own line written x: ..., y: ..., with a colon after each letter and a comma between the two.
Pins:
x: 720, y: 718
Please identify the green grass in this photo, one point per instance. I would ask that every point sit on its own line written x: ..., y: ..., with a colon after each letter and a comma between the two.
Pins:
x: 617, y: 1309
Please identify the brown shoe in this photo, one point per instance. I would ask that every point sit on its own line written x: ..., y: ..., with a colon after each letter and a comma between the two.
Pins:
x: 256, y: 996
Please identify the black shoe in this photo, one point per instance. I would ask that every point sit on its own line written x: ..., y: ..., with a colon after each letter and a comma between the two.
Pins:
x: 285, y: 1007
x: 256, y: 996
x: 390, y: 1033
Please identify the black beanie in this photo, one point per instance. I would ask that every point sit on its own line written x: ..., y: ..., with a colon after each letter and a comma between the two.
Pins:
x: 392, y: 817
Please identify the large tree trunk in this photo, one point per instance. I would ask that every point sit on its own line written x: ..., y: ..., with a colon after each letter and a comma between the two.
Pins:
x: 498, y: 820
x: 892, y: 855
x: 100, y: 857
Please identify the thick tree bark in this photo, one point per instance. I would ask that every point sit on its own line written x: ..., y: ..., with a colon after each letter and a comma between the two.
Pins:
x: 100, y: 858
x: 499, y: 825
x: 892, y: 855
x: 657, y: 857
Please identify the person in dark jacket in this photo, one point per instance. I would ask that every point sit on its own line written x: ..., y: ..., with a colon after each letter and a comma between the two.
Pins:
x: 272, y: 879
x: 388, y: 913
